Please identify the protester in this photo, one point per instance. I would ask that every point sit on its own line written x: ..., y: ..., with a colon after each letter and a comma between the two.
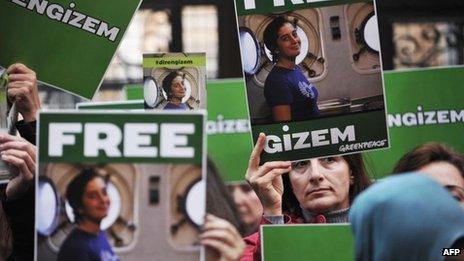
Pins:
x: 88, y: 197
x: 439, y: 162
x: 248, y: 206
x: 406, y: 217
x: 18, y: 197
x: 314, y: 191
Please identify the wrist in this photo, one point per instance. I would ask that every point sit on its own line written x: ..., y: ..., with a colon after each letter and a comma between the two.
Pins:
x: 29, y: 115
x: 273, y: 211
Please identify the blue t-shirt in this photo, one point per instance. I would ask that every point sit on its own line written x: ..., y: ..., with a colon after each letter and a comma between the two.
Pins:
x: 290, y: 87
x: 172, y: 106
x: 83, y: 246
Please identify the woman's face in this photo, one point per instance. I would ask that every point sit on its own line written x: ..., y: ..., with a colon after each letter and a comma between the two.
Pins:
x: 448, y: 175
x: 288, y: 42
x: 95, y: 201
x: 248, y: 205
x: 177, y: 87
x: 321, y: 185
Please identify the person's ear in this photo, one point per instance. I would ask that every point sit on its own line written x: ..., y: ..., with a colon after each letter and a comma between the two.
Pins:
x: 351, y: 180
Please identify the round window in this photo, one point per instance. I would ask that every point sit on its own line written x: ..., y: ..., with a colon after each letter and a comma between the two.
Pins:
x: 371, y: 33
x: 195, y: 203
x: 47, y: 198
x: 249, y: 50
x: 150, y: 92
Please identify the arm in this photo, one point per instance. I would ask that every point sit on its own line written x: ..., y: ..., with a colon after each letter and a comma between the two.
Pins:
x: 281, y: 113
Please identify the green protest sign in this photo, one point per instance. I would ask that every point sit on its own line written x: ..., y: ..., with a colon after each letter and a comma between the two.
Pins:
x: 133, y: 91
x: 423, y: 105
x: 308, y: 242
x: 69, y: 44
x: 313, y: 77
x: 229, y: 140
x: 95, y: 136
x: 140, y: 176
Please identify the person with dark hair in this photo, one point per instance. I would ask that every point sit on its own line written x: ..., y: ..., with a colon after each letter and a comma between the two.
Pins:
x: 88, y: 198
x: 439, y: 162
x: 287, y: 91
x: 318, y: 190
x: 248, y: 206
x: 406, y: 217
x: 173, y: 85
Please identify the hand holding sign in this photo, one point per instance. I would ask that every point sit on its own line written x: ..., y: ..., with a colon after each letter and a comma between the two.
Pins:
x: 21, y: 155
x: 22, y: 90
x: 224, y: 237
x: 266, y: 180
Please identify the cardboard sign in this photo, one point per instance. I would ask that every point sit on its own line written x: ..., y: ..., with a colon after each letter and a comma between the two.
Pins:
x: 423, y: 105
x: 174, y: 81
x: 331, y: 100
x: 69, y: 44
x: 147, y: 170
x: 313, y: 242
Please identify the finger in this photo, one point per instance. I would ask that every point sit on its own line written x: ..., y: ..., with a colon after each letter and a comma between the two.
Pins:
x: 17, y: 93
x: 20, y: 164
x: 222, y: 248
x: 219, y: 234
x: 215, y: 223
x: 19, y: 68
x: 271, y: 175
x: 4, y: 137
x: 270, y: 165
x: 255, y: 154
x: 23, y: 77
x: 20, y: 145
x: 30, y: 163
x: 25, y: 87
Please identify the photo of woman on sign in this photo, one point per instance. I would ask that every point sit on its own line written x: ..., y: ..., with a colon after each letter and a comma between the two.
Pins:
x: 90, y: 202
x: 173, y: 85
x: 288, y: 93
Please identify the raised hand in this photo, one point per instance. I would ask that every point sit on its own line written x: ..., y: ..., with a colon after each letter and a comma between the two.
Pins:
x: 22, y: 89
x: 266, y: 180
x: 222, y: 236
x: 21, y: 156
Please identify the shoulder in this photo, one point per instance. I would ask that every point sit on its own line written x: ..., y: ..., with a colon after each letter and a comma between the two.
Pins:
x: 75, y: 247
x: 75, y: 240
x: 277, y: 74
x: 277, y: 88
